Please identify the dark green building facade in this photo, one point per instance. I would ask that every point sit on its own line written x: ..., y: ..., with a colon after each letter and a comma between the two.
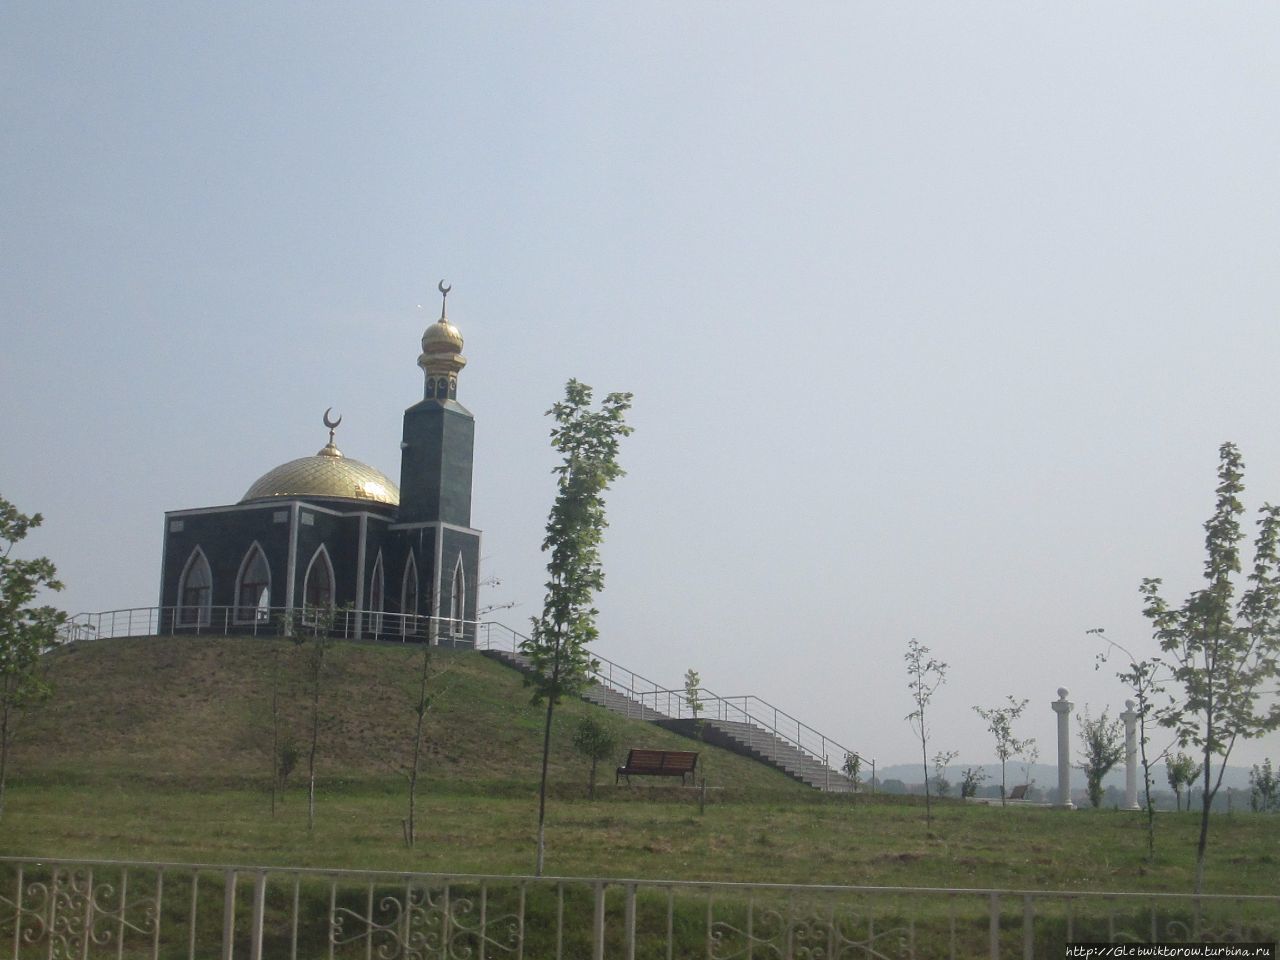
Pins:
x: 328, y: 538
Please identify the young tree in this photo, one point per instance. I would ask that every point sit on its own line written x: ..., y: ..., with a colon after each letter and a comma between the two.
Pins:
x: 26, y: 630
x: 1102, y: 743
x: 1000, y: 723
x: 1181, y: 772
x: 422, y: 703
x: 924, y: 676
x: 1264, y: 788
x: 1030, y: 757
x: 852, y: 768
x: 1145, y: 678
x: 692, y: 689
x: 588, y: 440
x: 596, y: 741
x: 940, y: 761
x: 1224, y: 651
x: 319, y: 623
x: 971, y: 780
x: 289, y: 757
x: 275, y: 727
x: 693, y: 684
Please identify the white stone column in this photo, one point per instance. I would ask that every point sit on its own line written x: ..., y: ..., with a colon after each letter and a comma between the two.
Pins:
x: 1130, y: 718
x: 1062, y: 707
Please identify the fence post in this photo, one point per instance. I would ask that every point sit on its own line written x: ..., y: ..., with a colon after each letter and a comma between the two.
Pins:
x: 993, y: 927
x: 228, y: 914
x: 597, y: 924
x: 1028, y: 928
x: 195, y: 899
x: 259, y: 905
x: 631, y: 921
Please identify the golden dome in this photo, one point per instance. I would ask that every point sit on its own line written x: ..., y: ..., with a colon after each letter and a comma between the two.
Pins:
x: 327, y: 474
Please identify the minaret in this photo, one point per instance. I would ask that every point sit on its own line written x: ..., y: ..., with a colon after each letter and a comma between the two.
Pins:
x: 439, y: 433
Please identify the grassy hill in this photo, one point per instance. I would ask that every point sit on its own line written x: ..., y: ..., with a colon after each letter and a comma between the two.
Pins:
x: 197, y: 710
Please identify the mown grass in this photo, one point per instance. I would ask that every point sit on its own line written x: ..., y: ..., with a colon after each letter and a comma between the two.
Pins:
x: 654, y: 834
x: 157, y: 749
x: 197, y: 710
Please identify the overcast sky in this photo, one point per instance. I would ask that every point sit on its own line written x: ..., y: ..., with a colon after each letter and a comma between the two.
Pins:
x: 935, y: 314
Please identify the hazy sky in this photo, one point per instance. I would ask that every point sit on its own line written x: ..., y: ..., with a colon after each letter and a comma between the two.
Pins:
x: 935, y: 314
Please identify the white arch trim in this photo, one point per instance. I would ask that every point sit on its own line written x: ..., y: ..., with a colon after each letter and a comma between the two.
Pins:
x: 377, y: 594
x: 321, y: 556
x: 260, y: 610
x: 196, y: 614
x: 458, y: 598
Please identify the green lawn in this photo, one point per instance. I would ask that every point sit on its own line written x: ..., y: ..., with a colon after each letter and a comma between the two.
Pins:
x: 641, y: 833
x: 158, y: 749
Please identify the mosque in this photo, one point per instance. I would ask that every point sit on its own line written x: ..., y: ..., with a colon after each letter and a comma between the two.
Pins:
x: 328, y: 533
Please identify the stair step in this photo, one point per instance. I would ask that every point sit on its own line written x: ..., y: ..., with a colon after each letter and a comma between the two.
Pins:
x: 759, y: 743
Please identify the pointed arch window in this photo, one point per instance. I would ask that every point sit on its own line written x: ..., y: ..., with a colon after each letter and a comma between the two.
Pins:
x: 376, y: 596
x: 458, y: 600
x: 317, y: 587
x: 409, y: 598
x: 195, y: 591
x: 253, y: 587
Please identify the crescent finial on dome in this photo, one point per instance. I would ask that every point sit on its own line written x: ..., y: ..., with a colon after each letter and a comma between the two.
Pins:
x: 330, y: 449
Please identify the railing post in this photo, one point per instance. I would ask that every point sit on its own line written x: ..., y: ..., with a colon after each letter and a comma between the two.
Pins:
x: 597, y: 924
x: 993, y: 926
x: 1028, y: 928
x: 195, y: 899
x: 259, y: 905
x: 228, y: 914
x: 630, y: 922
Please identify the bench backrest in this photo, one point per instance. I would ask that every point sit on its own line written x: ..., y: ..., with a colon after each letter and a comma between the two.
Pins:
x: 661, y: 761
x: 1019, y: 792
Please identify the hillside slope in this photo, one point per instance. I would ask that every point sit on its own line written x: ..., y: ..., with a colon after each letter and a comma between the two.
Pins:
x: 198, y: 709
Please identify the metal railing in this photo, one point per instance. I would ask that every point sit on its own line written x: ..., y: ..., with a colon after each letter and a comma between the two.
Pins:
x: 759, y: 722
x: 268, y: 621
x: 90, y: 909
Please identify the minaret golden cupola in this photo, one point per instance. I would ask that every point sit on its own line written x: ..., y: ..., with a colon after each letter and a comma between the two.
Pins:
x: 441, y: 357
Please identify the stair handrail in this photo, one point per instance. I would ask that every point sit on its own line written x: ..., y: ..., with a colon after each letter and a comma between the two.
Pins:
x: 761, y: 713
x: 673, y: 702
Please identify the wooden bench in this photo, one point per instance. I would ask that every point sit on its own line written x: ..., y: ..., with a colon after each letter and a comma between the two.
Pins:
x: 1019, y: 792
x: 658, y: 763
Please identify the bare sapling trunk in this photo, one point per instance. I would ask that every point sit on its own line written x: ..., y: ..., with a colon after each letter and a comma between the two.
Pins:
x: 924, y: 676
x: 421, y: 708
x: 4, y: 753
x: 275, y: 727
x: 317, y: 668
x: 542, y: 783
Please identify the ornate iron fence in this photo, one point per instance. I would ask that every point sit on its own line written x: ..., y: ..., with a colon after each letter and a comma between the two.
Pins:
x: 89, y: 909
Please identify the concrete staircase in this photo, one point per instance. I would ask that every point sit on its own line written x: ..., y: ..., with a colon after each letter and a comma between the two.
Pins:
x: 596, y: 693
x: 742, y: 737
x: 760, y: 744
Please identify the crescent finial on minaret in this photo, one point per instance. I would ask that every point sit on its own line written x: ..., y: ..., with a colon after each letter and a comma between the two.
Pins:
x: 444, y: 297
